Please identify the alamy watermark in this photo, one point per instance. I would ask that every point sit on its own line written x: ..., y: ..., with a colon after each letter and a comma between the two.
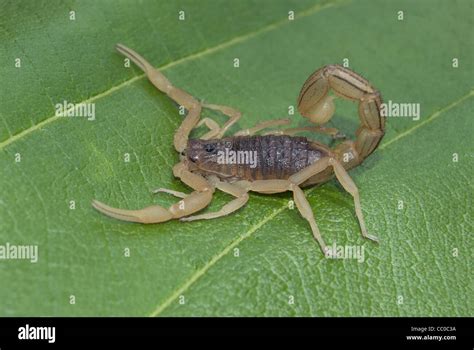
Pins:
x: 395, y: 109
x: 67, y: 109
x: 19, y: 252
x: 229, y: 156
x: 355, y: 252
x: 37, y: 333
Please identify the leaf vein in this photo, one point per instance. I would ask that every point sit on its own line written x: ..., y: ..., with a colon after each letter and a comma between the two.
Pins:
x: 191, y: 57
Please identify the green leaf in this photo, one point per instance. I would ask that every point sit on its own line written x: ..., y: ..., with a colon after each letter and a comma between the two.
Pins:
x: 423, y: 265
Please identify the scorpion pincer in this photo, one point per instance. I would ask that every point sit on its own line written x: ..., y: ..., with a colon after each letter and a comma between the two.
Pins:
x: 276, y: 161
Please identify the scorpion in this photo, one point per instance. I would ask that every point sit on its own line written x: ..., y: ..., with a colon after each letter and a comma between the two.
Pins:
x: 284, y: 162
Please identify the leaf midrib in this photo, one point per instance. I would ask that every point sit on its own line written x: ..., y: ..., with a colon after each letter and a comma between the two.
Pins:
x: 236, y: 40
x: 216, y: 258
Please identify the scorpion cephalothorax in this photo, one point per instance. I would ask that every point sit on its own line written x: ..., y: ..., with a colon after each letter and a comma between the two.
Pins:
x: 274, y: 162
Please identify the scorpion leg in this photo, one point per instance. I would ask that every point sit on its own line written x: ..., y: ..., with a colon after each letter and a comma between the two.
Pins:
x: 305, y: 209
x: 345, y: 180
x: 241, y: 199
x: 172, y: 192
x: 349, y: 185
x: 275, y: 186
x: 333, y: 132
x: 213, y: 127
x: 261, y: 126
x: 193, y: 202
x: 215, y: 130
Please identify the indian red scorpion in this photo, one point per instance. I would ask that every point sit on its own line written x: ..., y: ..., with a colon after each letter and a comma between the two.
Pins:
x: 276, y: 161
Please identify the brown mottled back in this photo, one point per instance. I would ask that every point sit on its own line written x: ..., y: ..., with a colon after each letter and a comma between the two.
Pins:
x: 274, y: 157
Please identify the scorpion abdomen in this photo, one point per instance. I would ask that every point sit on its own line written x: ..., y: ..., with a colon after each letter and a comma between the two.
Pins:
x: 253, y: 157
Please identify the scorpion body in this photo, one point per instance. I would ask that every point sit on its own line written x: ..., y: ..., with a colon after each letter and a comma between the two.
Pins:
x: 276, y: 161
x: 266, y: 157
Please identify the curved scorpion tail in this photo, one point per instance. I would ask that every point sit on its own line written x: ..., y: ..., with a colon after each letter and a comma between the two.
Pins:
x: 315, y: 103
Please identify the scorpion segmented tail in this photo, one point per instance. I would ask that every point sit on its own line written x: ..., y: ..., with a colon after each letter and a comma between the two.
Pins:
x: 315, y: 103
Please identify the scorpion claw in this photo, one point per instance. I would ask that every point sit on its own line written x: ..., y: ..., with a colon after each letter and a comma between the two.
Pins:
x: 148, y: 215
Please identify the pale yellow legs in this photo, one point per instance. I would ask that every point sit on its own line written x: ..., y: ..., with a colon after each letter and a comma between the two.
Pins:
x: 239, y: 190
x: 318, y: 112
x: 333, y: 132
x: 241, y: 199
x: 292, y: 184
x: 202, y: 195
x: 262, y: 125
x: 216, y: 132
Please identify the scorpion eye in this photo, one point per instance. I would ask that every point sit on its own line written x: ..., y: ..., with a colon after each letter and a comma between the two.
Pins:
x: 210, y: 148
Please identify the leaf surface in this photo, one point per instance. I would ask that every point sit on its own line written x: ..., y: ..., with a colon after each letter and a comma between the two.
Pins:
x: 423, y: 266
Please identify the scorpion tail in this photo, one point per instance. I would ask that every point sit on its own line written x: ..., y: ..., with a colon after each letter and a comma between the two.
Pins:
x: 315, y: 103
